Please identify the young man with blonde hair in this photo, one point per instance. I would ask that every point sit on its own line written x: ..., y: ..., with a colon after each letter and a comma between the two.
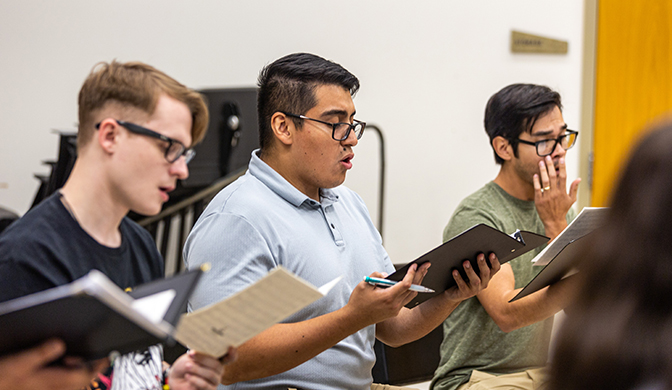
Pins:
x: 136, y: 129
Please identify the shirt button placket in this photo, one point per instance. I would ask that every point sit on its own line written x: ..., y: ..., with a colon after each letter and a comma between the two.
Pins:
x: 338, y: 238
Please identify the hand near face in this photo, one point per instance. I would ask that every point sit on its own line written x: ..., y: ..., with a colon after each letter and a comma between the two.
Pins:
x: 475, y: 284
x: 28, y: 369
x: 551, y: 197
x: 196, y: 371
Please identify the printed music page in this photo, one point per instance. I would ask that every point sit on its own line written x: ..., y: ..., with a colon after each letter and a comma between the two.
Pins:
x: 231, y: 322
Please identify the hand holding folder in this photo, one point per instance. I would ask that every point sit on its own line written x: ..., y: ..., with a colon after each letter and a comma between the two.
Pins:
x: 466, y: 246
x: 95, y: 318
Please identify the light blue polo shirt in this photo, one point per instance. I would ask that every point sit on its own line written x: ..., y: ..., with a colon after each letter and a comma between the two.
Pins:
x: 261, y: 221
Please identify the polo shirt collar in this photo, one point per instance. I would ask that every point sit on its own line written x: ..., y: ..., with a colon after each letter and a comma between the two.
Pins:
x: 273, y: 180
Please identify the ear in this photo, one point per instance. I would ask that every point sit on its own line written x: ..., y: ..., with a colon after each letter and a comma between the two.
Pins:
x: 283, y: 128
x: 108, y: 135
x: 503, y: 148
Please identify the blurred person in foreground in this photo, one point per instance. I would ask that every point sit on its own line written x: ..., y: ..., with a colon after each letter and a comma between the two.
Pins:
x: 29, y: 369
x: 618, y: 334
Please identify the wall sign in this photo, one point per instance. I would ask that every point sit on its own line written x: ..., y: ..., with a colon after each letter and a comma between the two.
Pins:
x: 528, y: 43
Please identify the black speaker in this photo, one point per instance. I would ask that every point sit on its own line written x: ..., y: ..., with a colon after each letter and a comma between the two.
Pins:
x: 232, y: 135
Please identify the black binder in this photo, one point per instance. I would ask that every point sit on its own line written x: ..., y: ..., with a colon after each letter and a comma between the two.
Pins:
x: 92, y: 316
x: 467, y: 245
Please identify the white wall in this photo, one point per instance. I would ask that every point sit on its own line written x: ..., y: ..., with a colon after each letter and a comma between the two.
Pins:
x: 427, y: 69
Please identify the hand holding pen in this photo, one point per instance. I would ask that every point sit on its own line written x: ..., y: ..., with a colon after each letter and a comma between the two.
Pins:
x: 388, y: 283
x: 371, y: 305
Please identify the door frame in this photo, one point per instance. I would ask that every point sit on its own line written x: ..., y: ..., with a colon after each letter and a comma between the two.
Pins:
x: 587, y: 103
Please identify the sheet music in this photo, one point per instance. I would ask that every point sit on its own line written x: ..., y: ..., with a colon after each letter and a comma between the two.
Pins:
x: 233, y: 321
x: 589, y: 219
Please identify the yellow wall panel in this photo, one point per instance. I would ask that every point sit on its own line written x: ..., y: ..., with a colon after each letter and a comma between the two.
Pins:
x: 633, y: 81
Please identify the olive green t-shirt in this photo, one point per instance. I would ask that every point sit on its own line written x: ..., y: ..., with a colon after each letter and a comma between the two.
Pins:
x: 472, y: 340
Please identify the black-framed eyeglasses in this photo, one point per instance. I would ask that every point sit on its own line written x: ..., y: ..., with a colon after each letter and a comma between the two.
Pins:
x: 175, y: 149
x: 547, y: 146
x: 341, y: 130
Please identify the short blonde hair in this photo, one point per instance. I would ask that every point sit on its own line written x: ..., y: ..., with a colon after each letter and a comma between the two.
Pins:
x: 134, y: 85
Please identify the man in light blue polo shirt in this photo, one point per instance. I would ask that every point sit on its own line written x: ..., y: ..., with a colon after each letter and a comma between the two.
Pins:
x: 291, y: 210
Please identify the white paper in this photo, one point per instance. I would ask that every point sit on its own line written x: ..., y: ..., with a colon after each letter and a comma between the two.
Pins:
x: 155, y: 306
x: 231, y: 322
x: 327, y: 287
x: 589, y: 219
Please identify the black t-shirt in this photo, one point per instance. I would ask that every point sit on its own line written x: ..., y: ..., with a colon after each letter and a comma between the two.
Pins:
x: 47, y: 248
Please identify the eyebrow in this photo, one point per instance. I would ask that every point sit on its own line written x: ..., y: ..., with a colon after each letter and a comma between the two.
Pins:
x: 337, y: 112
x: 547, y: 132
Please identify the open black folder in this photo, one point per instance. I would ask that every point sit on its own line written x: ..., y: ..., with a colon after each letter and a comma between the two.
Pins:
x: 467, y: 245
x: 560, y: 256
x: 560, y: 267
x: 94, y: 317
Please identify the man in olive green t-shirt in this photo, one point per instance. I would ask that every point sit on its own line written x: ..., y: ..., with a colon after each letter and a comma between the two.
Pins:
x: 491, y: 343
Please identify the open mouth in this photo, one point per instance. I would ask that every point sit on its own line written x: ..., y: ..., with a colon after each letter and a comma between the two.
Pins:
x: 165, y: 191
x: 347, y: 161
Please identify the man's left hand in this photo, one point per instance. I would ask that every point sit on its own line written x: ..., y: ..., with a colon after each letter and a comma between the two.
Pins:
x: 551, y: 197
x: 476, y: 284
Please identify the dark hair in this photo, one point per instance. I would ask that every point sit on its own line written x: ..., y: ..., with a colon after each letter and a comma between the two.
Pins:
x: 516, y: 108
x: 618, y: 334
x: 288, y: 84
